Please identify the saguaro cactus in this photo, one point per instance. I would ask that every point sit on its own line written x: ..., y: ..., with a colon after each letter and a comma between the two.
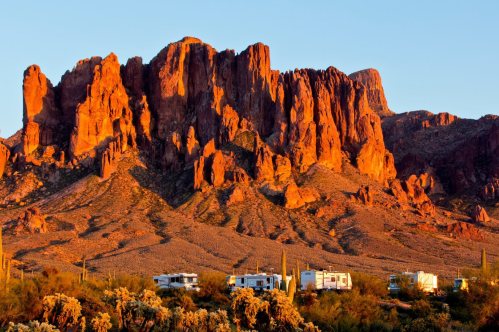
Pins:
x: 84, y: 272
x: 256, y: 267
x: 283, y: 271
x: 484, y: 261
x: 308, y: 267
x: 292, y: 289
x: 298, y: 275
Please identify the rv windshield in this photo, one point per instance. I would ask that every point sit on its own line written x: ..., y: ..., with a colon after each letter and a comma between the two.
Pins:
x: 458, y: 283
x: 393, y: 280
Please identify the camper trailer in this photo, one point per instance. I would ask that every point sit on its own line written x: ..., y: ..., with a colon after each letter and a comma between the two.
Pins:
x: 259, y: 282
x: 326, y: 280
x: 188, y: 281
x: 427, y: 282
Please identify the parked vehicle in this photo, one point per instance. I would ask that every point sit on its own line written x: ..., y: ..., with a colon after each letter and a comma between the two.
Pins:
x: 460, y: 284
x: 259, y: 282
x: 427, y: 282
x: 189, y: 281
x: 326, y: 280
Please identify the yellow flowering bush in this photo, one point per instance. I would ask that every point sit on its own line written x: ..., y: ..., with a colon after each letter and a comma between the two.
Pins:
x: 32, y: 326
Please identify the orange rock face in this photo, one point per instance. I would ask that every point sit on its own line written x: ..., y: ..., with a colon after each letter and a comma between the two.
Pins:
x: 4, y: 158
x: 371, y: 79
x: 190, y: 96
x: 105, y: 112
x: 198, y: 173
x: 263, y: 165
x: 218, y: 169
x: 479, y: 215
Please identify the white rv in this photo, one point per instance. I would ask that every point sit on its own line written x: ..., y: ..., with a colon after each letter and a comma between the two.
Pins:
x: 259, y: 282
x: 427, y: 282
x: 188, y: 281
x: 326, y: 280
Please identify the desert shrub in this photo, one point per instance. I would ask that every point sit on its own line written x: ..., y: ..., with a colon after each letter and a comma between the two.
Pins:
x: 64, y: 312
x: 101, y: 322
x: 431, y: 323
x: 347, y: 311
x: 32, y: 326
x: 178, y: 297
x: 213, y: 288
x: 134, y: 284
x: 273, y: 312
x: 369, y: 284
x: 421, y: 308
x: 138, y: 310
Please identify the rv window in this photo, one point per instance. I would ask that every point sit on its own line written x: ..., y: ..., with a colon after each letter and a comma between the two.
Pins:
x: 393, y: 280
x: 242, y: 280
x: 155, y: 281
x: 412, y: 280
x: 259, y: 282
x: 333, y: 279
x: 344, y: 280
x: 268, y: 280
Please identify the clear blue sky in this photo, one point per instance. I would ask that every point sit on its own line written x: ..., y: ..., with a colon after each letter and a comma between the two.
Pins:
x: 441, y: 56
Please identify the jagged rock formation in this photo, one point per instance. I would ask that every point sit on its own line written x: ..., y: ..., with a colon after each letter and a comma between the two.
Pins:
x: 490, y: 190
x: 457, y: 153
x: 4, y: 158
x: 479, y: 215
x: 371, y: 79
x: 190, y: 95
x: 32, y: 221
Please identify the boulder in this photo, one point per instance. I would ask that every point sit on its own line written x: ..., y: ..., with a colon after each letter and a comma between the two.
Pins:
x: 295, y: 197
x: 365, y: 196
x: 465, y: 230
x: 479, y: 215
x: 32, y: 221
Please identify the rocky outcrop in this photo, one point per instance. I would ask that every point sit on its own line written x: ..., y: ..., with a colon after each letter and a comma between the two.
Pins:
x: 192, y: 147
x: 40, y: 115
x: 263, y: 164
x: 4, y: 158
x: 397, y: 191
x: 465, y: 230
x: 198, y: 173
x: 190, y: 95
x: 105, y: 112
x: 32, y: 221
x: 490, y: 190
x: 371, y: 79
x: 218, y: 169
x: 365, y: 196
x: 237, y: 195
x: 479, y: 215
x: 295, y: 197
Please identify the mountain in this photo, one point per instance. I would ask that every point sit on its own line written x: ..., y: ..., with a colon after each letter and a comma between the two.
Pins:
x: 204, y: 160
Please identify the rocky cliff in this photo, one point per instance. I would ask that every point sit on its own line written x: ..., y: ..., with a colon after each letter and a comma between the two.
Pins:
x: 457, y: 153
x: 190, y: 94
x: 371, y: 79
